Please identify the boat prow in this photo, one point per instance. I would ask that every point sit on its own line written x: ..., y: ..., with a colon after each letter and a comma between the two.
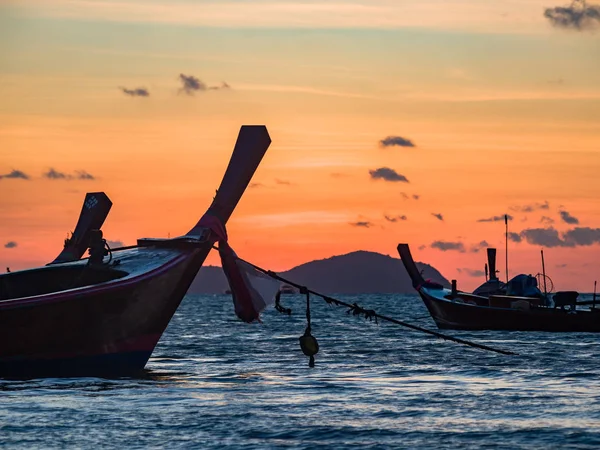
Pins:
x: 103, y: 316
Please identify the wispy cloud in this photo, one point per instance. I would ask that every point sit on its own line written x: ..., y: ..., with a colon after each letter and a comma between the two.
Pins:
x: 15, y: 174
x: 568, y: 218
x: 472, y: 272
x: 285, y: 219
x: 190, y: 84
x: 546, y: 219
x: 577, y: 16
x: 361, y: 224
x: 550, y: 237
x: 137, y: 92
x: 10, y: 244
x: 396, y: 141
x: 438, y: 216
x: 387, y: 174
x: 495, y: 218
x: 531, y: 207
x: 474, y: 248
x: 446, y: 246
x: 394, y: 218
x: 283, y: 182
x: 53, y: 174
x: 488, y: 17
x: 515, y: 237
x: 255, y: 185
x: 223, y: 85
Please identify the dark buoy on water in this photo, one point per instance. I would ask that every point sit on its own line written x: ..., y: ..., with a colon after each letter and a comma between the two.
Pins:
x: 309, y: 346
x: 308, y: 343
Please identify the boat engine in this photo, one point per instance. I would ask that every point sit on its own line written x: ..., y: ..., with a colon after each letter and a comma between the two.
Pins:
x: 98, y: 247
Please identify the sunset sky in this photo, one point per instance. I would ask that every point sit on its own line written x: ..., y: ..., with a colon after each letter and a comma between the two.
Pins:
x: 392, y: 121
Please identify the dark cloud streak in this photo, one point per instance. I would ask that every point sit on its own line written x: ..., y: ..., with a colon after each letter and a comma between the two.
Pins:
x: 396, y: 141
x: 387, y: 174
x: 445, y: 246
x: 577, y: 16
x: 568, y: 218
x: 137, y: 92
x: 15, y: 174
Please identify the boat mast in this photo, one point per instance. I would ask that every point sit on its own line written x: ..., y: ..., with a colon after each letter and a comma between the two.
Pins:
x: 544, y: 273
x: 506, y: 242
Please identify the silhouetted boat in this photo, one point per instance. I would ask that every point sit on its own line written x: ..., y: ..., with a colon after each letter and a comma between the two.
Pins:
x: 96, y: 207
x: 104, y: 316
x: 453, y: 309
x: 287, y: 289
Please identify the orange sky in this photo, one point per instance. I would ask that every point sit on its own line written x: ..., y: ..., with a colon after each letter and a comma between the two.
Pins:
x: 503, y: 109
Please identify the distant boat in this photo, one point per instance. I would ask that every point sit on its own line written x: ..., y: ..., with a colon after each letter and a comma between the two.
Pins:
x: 287, y: 289
x: 103, y: 316
x: 454, y: 309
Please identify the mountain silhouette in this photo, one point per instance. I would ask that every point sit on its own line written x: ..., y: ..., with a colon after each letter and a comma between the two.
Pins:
x: 359, y: 272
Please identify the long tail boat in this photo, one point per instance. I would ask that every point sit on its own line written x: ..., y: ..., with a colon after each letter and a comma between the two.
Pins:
x: 103, y: 316
x: 457, y: 310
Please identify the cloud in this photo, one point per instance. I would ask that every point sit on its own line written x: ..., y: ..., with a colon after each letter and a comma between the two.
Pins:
x: 422, y: 247
x: 476, y: 247
x: 546, y: 219
x: 137, y: 92
x: 560, y: 266
x: 191, y: 84
x: 15, y: 174
x: 223, y: 85
x: 515, y: 237
x: 438, y: 216
x: 255, y: 185
x: 445, y: 246
x: 548, y: 237
x: 398, y: 141
x: 114, y: 244
x: 10, y: 244
x: 54, y: 174
x: 568, y: 218
x: 495, y: 218
x: 394, y: 218
x: 387, y: 174
x: 582, y: 236
x: 338, y: 175
x: 283, y: 182
x: 577, y: 16
x: 531, y: 207
x: 363, y: 224
x: 472, y: 272
x: 416, y: 196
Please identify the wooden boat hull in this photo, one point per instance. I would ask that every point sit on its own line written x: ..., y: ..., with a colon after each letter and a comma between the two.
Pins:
x: 106, y: 330
x: 452, y: 315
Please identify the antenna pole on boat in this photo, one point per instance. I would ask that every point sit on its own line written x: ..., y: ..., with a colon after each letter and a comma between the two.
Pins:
x: 544, y: 272
x: 594, y: 297
x: 506, y: 242
x: 486, y: 272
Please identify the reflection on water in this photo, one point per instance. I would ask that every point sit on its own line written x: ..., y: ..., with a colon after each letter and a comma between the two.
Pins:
x: 215, y: 382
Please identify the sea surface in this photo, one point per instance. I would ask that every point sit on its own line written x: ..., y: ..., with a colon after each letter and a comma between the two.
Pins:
x: 214, y: 382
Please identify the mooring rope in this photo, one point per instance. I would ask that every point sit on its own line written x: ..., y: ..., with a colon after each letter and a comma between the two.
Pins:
x: 370, y: 314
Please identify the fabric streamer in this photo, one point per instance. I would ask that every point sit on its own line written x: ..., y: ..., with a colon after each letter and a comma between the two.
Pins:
x: 252, y: 291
